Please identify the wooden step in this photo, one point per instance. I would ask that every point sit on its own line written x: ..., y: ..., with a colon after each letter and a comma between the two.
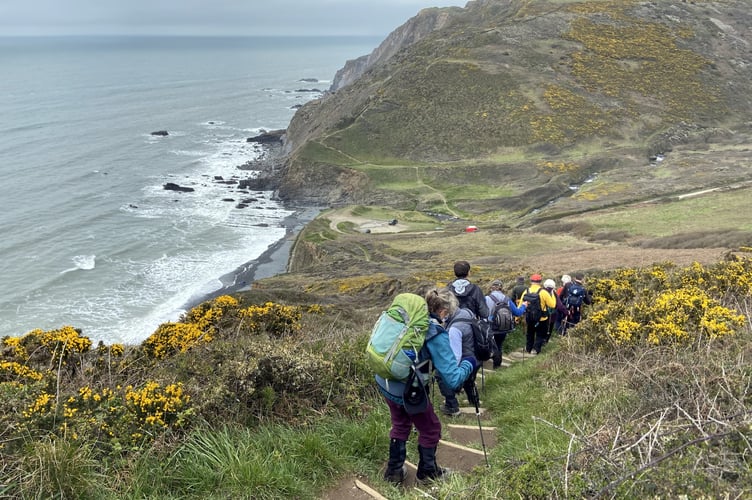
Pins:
x: 469, y: 435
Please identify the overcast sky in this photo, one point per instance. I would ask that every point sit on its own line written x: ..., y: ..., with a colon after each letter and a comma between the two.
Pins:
x: 209, y: 17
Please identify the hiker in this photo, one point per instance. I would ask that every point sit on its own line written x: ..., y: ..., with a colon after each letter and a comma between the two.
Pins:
x: 469, y: 295
x: 498, y: 305
x: 518, y: 289
x: 559, y: 320
x: 461, y: 341
x: 441, y: 304
x: 557, y: 314
x: 539, y: 302
x: 574, y: 296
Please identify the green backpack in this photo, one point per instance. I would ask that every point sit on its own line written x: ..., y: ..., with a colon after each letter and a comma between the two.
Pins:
x: 398, y: 334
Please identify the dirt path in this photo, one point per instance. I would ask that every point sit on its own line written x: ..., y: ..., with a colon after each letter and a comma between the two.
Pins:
x: 461, y: 448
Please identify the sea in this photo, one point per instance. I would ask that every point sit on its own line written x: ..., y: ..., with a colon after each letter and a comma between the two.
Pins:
x: 89, y: 236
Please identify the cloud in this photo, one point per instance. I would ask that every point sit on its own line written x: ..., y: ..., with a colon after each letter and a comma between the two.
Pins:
x: 201, y: 17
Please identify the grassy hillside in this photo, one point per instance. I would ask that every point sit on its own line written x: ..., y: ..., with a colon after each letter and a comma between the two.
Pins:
x: 513, y: 103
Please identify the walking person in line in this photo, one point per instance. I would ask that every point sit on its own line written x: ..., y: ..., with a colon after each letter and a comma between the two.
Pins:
x: 558, y: 313
x: 462, y: 343
x: 469, y: 295
x: 539, y: 302
x: 574, y: 296
x: 441, y: 304
x: 518, y: 289
x: 497, y: 301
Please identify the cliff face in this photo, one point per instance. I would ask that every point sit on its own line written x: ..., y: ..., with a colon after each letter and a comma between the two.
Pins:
x: 537, y: 94
x: 415, y: 29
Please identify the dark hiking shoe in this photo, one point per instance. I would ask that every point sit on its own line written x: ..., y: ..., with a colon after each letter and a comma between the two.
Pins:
x: 396, y: 476
x: 438, y: 474
x: 450, y: 412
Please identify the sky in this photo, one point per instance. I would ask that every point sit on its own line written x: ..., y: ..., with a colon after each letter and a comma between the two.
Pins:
x: 209, y: 17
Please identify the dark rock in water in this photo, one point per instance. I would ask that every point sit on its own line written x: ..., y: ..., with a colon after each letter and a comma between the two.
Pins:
x: 296, y: 106
x: 309, y: 80
x: 241, y: 205
x: 263, y: 184
x: 228, y: 199
x: 218, y: 178
x: 171, y: 186
x: 268, y: 137
x: 308, y: 90
x: 262, y: 224
x: 160, y: 132
x: 250, y: 200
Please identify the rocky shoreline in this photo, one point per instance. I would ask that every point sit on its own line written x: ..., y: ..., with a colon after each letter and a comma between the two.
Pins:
x: 276, y: 258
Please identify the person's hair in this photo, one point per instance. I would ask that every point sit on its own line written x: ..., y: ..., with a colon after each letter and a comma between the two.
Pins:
x: 461, y: 268
x: 441, y: 298
x: 579, y: 276
x: 497, y: 285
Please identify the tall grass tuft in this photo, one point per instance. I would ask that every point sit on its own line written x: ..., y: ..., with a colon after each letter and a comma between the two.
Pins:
x: 58, y: 468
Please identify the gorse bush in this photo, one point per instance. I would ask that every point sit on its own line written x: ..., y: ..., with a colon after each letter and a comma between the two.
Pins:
x: 667, y: 306
x: 120, y: 399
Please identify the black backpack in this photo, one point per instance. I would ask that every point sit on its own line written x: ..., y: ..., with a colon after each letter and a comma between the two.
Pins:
x: 467, y: 301
x: 483, y: 341
x: 533, y: 313
x: 575, y: 297
x: 502, y: 318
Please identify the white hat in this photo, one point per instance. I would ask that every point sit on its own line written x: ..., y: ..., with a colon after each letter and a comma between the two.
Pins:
x: 549, y: 283
x: 566, y: 279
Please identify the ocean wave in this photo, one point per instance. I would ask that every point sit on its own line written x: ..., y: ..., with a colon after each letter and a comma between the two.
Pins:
x: 82, y: 262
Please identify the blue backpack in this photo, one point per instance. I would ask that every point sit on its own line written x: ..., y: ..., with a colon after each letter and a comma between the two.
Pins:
x: 575, y: 297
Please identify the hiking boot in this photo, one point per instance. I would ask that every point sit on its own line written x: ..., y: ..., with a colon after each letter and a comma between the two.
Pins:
x: 396, y: 477
x: 396, y: 472
x: 450, y: 412
x: 428, y: 469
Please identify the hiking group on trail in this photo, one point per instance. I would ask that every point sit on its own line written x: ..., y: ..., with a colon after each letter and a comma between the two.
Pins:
x: 447, y: 334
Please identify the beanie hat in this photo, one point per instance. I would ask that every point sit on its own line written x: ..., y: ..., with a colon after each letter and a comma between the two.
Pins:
x: 536, y: 278
x: 566, y: 279
x: 549, y: 283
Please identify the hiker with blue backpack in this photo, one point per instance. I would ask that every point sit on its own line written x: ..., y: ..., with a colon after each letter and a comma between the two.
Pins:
x: 501, y: 317
x: 574, y: 296
x: 406, y: 340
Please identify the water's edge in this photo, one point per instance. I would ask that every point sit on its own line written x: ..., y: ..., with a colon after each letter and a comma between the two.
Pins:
x: 272, y: 262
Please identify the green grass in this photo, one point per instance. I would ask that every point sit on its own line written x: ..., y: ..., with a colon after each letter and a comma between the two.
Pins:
x: 722, y: 210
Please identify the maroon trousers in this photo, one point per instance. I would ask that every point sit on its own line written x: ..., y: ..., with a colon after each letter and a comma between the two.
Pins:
x: 427, y: 423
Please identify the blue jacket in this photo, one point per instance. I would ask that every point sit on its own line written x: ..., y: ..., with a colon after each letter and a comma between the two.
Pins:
x: 437, y: 349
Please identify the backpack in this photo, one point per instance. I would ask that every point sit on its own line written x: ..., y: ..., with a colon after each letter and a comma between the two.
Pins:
x: 483, y: 341
x: 502, y: 318
x: 397, y: 337
x: 575, y: 297
x: 533, y: 313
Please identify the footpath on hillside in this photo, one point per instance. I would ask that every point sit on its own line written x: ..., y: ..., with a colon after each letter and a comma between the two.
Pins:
x: 461, y: 449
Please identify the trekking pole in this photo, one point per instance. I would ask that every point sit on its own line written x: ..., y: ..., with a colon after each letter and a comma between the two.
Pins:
x: 476, y: 397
